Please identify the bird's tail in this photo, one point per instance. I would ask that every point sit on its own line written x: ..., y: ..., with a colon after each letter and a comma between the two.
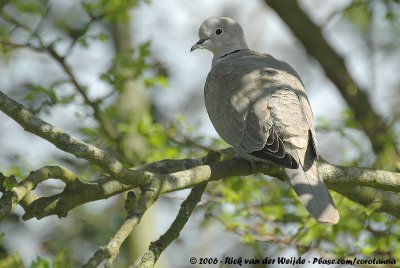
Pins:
x: 313, y: 193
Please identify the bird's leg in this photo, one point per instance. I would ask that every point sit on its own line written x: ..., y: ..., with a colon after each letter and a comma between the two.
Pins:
x: 249, y: 158
x: 253, y: 165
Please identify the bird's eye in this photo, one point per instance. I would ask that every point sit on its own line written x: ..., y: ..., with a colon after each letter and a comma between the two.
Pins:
x: 218, y: 31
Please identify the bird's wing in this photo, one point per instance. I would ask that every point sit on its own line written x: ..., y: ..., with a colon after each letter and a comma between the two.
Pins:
x: 292, y: 113
x: 236, y: 98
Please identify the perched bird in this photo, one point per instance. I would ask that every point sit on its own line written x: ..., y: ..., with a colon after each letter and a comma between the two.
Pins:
x: 259, y: 106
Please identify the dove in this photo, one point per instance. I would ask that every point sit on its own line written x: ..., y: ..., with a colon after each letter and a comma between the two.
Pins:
x: 258, y: 105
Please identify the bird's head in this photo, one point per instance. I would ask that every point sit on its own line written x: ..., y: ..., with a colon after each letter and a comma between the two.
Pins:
x: 220, y: 35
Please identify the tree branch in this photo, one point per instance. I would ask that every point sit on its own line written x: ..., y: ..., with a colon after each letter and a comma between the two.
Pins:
x: 9, y: 182
x: 382, y: 201
x: 337, y: 178
x: 150, y: 258
x: 355, y: 176
x: 71, y: 197
x: 60, y: 139
x: 10, y: 199
x: 135, y: 213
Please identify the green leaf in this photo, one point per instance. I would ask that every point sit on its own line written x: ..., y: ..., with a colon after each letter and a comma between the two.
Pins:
x: 349, y: 119
x: 360, y: 14
x: 103, y: 37
x: 11, y: 261
x: 40, y: 263
x: 61, y: 260
x: 8, y: 183
x: 90, y: 132
x: 155, y: 81
x: 30, y: 6
x: 83, y: 42
x: 368, y: 250
x: 373, y: 207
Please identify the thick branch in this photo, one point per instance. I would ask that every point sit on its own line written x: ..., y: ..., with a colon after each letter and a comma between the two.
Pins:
x: 5, y: 183
x: 71, y: 197
x: 354, y: 176
x: 365, y: 186
x: 10, y: 199
x: 60, y: 204
x: 186, y: 173
x: 337, y: 177
x: 383, y: 201
x: 381, y: 136
x: 60, y: 139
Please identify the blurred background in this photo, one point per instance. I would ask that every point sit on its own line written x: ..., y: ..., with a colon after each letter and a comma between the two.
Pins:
x: 118, y: 74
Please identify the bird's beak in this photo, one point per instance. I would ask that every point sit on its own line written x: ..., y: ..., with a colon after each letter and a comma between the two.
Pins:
x: 199, y: 44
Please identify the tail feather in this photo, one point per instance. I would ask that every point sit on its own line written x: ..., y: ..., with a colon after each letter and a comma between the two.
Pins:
x: 313, y: 193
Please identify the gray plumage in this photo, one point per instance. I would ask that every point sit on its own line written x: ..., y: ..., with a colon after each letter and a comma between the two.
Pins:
x: 259, y: 106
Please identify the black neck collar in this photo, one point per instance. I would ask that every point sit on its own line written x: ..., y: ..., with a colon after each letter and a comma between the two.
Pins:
x: 237, y: 50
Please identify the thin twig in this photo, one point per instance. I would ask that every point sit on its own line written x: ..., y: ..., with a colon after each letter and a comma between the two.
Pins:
x: 49, y: 49
x: 150, y: 258
x: 135, y: 213
x: 105, y: 126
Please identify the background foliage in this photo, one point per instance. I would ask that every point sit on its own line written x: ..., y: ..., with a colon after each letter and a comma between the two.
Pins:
x: 118, y: 109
